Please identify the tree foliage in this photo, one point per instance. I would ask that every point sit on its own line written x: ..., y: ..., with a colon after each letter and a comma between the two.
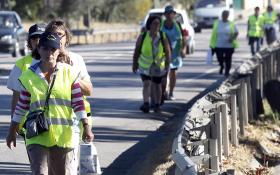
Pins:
x: 27, y: 9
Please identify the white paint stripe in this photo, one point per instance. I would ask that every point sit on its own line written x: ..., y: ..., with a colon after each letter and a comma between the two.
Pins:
x: 199, y: 76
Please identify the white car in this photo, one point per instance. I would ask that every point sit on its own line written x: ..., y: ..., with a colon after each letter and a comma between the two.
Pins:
x: 183, y: 19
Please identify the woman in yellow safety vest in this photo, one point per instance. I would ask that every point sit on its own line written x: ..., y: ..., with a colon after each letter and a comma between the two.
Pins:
x: 223, y: 41
x: 22, y: 65
x: 51, y: 152
x: 152, y: 57
x: 269, y: 20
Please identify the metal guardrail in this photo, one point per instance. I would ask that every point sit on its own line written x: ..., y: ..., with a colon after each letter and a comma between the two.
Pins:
x: 204, y: 139
x: 102, y: 36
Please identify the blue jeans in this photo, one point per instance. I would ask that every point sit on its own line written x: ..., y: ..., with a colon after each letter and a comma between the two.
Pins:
x: 255, y: 43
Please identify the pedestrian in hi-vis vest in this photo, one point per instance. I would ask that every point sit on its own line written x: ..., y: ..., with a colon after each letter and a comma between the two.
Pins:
x: 255, y: 30
x: 269, y: 22
x: 59, y: 27
x: 22, y: 65
x: 50, y: 92
x: 151, y: 58
x: 223, y: 41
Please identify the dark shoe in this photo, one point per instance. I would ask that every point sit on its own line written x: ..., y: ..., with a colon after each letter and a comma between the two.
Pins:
x: 145, y: 108
x: 157, y: 108
x: 163, y: 98
x: 221, y: 70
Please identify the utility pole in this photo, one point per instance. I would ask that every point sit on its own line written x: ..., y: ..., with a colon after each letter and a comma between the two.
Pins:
x: 156, y: 4
x: 269, y: 2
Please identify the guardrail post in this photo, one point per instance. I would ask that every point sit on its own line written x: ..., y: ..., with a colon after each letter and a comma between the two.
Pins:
x: 207, y: 164
x: 225, y: 136
x: 86, y: 38
x: 234, y: 139
x: 278, y: 62
x: 240, y: 111
x: 245, y: 101
x: 218, y: 122
x: 270, y: 66
x: 249, y: 94
x: 254, y: 94
x: 214, y: 160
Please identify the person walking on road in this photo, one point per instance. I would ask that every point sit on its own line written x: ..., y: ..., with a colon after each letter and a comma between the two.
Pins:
x: 22, y: 65
x: 152, y: 57
x: 254, y: 31
x: 223, y: 41
x: 269, y: 20
x: 174, y: 34
x: 59, y: 27
x: 50, y: 152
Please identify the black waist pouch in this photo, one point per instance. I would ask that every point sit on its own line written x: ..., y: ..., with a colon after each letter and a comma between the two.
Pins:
x: 35, y: 124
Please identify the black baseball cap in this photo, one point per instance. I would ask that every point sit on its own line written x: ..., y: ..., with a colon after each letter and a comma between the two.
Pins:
x: 169, y: 9
x: 36, y: 29
x: 51, y: 40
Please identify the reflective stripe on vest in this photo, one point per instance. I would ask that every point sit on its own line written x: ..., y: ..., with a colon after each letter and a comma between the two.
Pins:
x: 60, y: 121
x: 59, y: 111
x: 52, y: 101
x: 146, y: 57
x: 255, y: 26
x: 270, y: 19
x: 213, y: 40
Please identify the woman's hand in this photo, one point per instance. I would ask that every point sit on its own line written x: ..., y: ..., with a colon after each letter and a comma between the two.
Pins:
x: 88, y: 135
x: 134, y: 67
x: 11, y: 137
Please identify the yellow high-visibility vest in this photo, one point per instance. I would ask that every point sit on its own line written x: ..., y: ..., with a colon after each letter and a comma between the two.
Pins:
x: 146, y: 58
x: 255, y: 26
x: 213, y: 40
x: 59, y: 112
x: 270, y: 19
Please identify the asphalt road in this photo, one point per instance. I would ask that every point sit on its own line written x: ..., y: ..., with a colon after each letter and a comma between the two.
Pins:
x: 118, y: 123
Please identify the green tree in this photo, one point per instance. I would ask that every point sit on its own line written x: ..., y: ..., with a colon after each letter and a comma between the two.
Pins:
x: 27, y: 9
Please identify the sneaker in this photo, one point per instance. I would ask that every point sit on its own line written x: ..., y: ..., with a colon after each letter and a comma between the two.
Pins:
x: 145, y: 108
x: 171, y: 97
x: 157, y: 108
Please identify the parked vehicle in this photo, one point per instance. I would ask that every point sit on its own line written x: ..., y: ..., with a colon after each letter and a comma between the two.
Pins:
x: 183, y: 19
x: 12, y: 35
x: 207, y: 11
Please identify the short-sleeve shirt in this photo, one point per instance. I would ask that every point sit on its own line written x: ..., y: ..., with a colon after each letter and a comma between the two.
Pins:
x: 223, y: 35
x: 79, y: 63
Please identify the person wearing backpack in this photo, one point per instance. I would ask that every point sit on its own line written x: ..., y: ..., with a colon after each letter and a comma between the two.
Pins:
x: 174, y: 34
x: 151, y: 58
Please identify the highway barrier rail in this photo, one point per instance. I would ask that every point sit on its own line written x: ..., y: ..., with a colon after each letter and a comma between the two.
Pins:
x: 86, y: 36
x: 218, y: 119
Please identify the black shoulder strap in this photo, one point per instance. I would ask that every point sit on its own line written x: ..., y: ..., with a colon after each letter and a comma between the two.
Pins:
x: 49, y: 91
x: 179, y: 24
x: 162, y: 40
x: 142, y: 40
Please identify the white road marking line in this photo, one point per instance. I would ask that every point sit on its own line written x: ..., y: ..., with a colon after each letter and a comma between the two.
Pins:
x: 199, y: 76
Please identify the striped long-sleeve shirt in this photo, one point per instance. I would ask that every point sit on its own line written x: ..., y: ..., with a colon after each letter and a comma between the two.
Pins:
x: 23, y: 104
